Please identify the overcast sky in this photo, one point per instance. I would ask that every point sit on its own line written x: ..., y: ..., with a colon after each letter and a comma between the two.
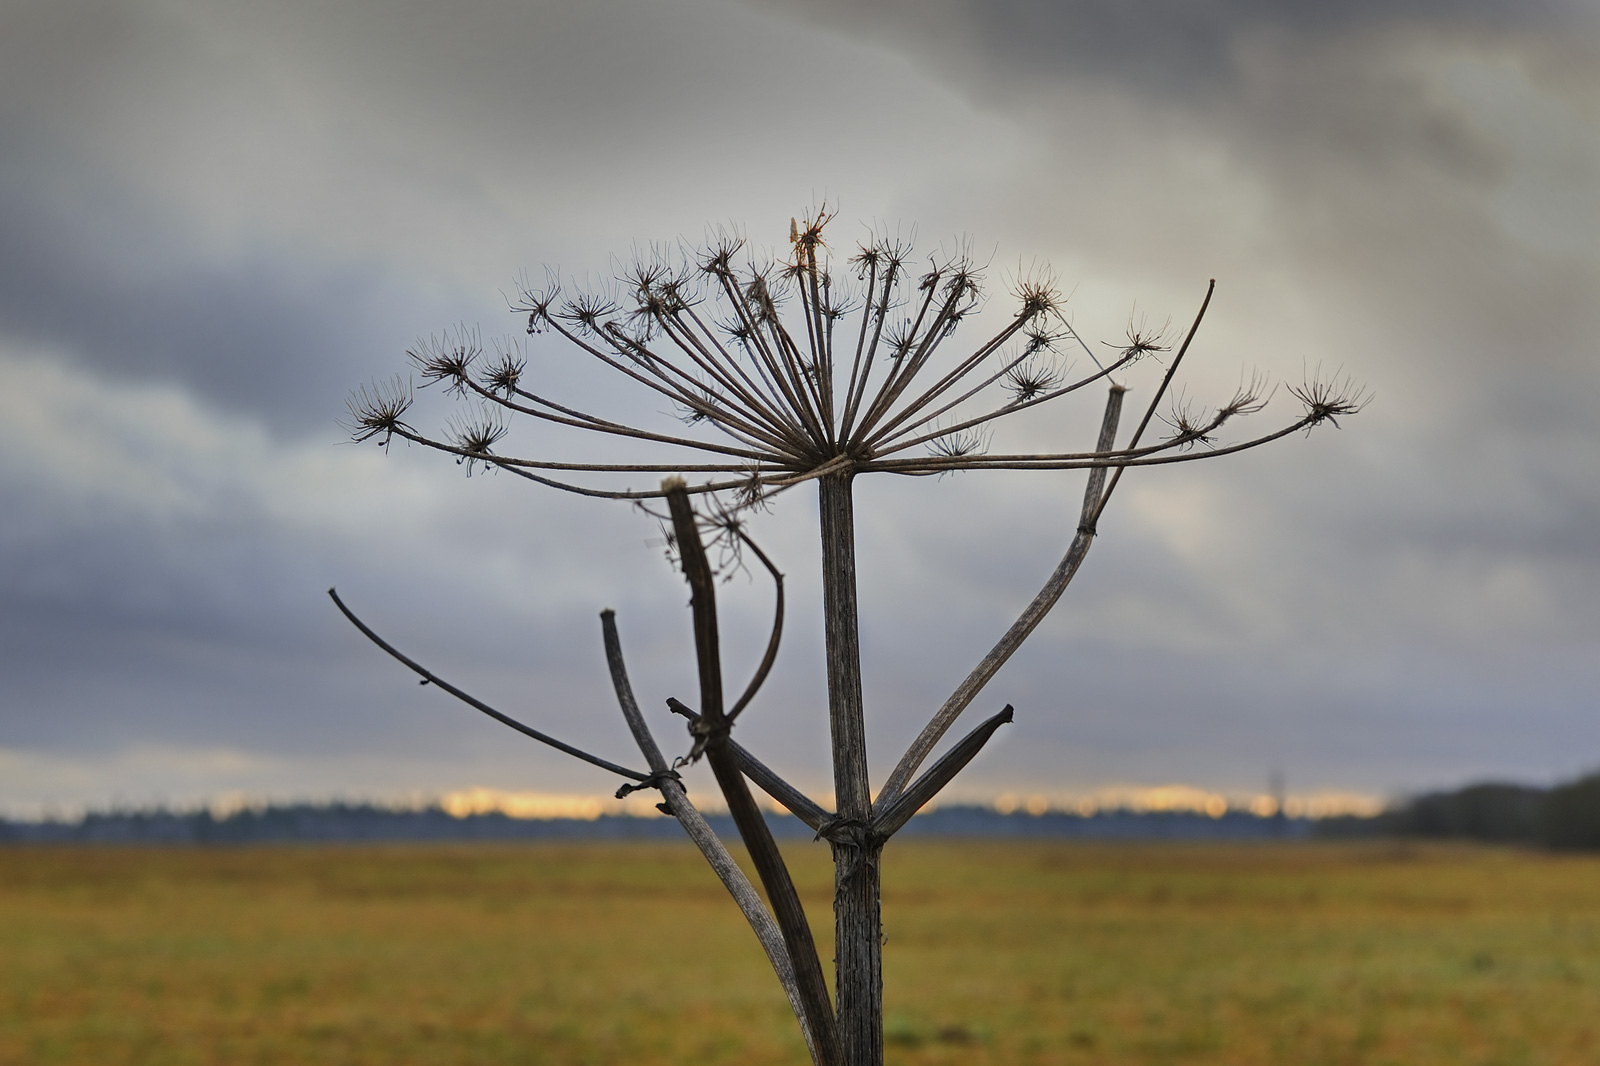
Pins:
x: 217, y: 219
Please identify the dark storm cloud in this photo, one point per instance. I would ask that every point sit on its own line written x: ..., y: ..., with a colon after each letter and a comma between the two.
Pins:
x: 439, y: 135
x: 1188, y: 52
x: 92, y: 270
x: 268, y: 204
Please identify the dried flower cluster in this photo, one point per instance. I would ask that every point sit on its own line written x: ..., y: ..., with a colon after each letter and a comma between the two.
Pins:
x: 797, y: 368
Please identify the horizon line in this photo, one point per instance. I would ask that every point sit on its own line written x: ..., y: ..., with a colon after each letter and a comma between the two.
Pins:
x: 531, y: 805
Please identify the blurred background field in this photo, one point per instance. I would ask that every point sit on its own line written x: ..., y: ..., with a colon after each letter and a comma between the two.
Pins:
x: 998, y: 952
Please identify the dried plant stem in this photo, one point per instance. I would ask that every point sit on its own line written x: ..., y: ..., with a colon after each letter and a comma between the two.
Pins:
x: 898, y: 811
x: 1161, y: 390
x: 747, y: 817
x: 858, y: 950
x: 694, y: 824
x: 858, y: 943
x: 1031, y: 616
x: 429, y: 677
x: 765, y: 778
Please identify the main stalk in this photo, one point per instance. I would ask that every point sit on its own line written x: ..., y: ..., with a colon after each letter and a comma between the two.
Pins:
x: 858, y: 945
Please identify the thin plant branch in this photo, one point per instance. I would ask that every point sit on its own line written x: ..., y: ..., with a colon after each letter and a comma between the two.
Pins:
x: 429, y: 677
x: 771, y: 655
x: 1094, y: 461
x: 764, y: 777
x: 1155, y: 401
x: 899, y: 810
x: 579, y: 420
x: 1025, y: 624
x: 752, y: 825
x: 677, y: 802
x: 900, y: 444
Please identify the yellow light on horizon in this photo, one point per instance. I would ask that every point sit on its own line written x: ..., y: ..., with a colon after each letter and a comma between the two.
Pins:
x: 466, y: 802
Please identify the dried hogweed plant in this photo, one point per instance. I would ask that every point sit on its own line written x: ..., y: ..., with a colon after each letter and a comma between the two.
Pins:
x: 803, y: 370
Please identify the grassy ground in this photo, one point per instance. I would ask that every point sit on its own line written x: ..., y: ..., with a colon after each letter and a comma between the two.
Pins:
x: 630, y: 953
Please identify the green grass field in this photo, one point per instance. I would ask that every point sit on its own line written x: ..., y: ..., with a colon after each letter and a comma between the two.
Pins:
x: 631, y: 953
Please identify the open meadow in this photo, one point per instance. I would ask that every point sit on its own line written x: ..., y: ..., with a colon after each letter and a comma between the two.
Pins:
x: 997, y: 952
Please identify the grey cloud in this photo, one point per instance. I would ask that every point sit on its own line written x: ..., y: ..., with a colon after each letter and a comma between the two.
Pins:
x: 1372, y: 178
x: 1366, y: 123
x: 1187, y: 53
x: 90, y: 270
x: 260, y: 206
x: 199, y: 192
x: 216, y: 633
x: 452, y: 137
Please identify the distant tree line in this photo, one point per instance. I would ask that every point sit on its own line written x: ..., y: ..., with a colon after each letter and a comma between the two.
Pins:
x: 321, y: 823
x: 1565, y: 816
x: 346, y: 822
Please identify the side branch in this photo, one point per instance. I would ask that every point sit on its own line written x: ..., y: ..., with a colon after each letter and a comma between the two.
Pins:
x: 1096, y: 461
x: 903, y: 441
x: 771, y: 655
x: 765, y: 778
x: 428, y: 677
x: 580, y: 420
x: 1166, y: 381
x: 582, y: 490
x: 898, y: 811
x: 694, y: 824
x: 712, y: 740
x: 1020, y: 629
